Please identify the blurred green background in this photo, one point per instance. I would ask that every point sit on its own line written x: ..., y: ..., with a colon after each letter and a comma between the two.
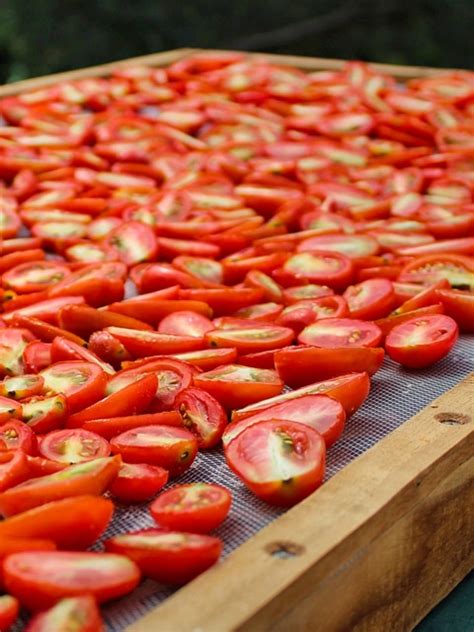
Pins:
x: 43, y: 36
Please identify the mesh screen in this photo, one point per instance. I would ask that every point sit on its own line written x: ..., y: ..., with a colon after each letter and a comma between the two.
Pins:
x: 396, y: 395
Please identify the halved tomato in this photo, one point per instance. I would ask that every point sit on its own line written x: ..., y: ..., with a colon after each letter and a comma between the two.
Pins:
x: 341, y: 332
x: 169, y: 447
x: 195, y: 508
x: 460, y: 306
x: 134, y: 242
x: 280, y: 461
x: 145, y: 343
x: 74, y: 613
x: 73, y: 446
x: 13, y: 469
x: 35, y: 276
x: 260, y: 337
x: 113, y: 426
x: 203, y: 415
x: 419, y: 342
x: 12, y: 344
x: 9, y: 409
x: 457, y: 269
x: 235, y: 385
x: 168, y: 556
x: 16, y: 435
x: 319, y: 267
x: 82, y: 383
x: 45, y: 414
x: 305, y: 292
x: 185, y: 323
x: 138, y: 482
x: 299, y: 315
x: 41, y: 579
x: 370, y: 299
x: 208, y: 359
x: 22, y: 386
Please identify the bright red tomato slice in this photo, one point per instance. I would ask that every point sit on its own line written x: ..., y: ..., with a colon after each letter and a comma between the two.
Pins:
x: 171, y: 448
x: 457, y: 269
x: 168, y: 556
x: 235, y: 385
x: 13, y: 469
x: 134, y: 242
x: 12, y: 345
x: 72, y: 613
x: 298, y: 366
x: 349, y: 245
x: 34, y: 276
x: 113, y: 426
x: 185, y: 323
x: 299, y: 315
x: 82, y: 383
x: 341, y: 332
x: 320, y: 412
x: 328, y: 268
x: 460, y: 306
x: 138, y: 482
x: 419, y: 342
x: 370, y: 299
x: 22, y: 386
x: 208, y: 359
x: 41, y: 579
x: 93, y: 477
x: 145, y: 343
x: 304, y: 292
x: 280, y: 461
x: 16, y: 435
x: 251, y: 339
x: 196, y: 507
x: 203, y: 415
x: 9, y: 409
x: 45, y: 414
x: 9, y: 608
x: 73, y: 446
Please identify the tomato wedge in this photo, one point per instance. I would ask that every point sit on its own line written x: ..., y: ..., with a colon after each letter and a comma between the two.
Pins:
x: 169, y: 557
x: 171, y: 448
x: 16, y: 435
x: 250, y: 340
x: 195, y: 508
x: 82, y: 383
x: 185, y: 323
x: 41, y: 579
x: 341, y: 332
x: 280, y: 461
x: 9, y: 409
x: 138, y: 482
x: 74, y: 613
x: 45, y: 414
x: 93, y: 477
x: 145, y: 343
x: 34, y: 276
x: 319, y: 267
x: 13, y: 469
x: 460, y: 306
x: 73, y: 446
x: 370, y: 299
x: 421, y: 341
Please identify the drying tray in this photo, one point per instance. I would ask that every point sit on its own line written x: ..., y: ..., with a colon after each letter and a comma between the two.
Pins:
x: 387, y: 536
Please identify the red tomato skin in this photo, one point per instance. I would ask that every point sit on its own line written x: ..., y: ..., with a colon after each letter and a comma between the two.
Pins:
x: 178, y: 509
x: 34, y: 580
x: 86, y: 393
x: 378, y: 299
x: 114, y: 426
x: 138, y: 482
x: 16, y: 545
x: 72, y: 523
x: 152, y: 445
x: 69, y: 612
x: 240, y: 453
x: 15, y: 435
x: 425, y: 352
x: 13, y: 469
x: 170, y: 565
x: 36, y: 356
x: 9, y: 409
x: 460, y: 306
x: 341, y: 332
x: 199, y: 410
x: 185, y: 323
x: 302, y: 365
x: 9, y: 608
x: 54, y: 446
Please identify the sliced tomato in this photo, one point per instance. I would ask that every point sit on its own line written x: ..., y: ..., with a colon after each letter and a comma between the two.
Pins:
x: 261, y: 281
x: 9, y: 609
x: 73, y: 523
x: 14, y: 544
x: 9, y: 409
x: 84, y: 320
x: 98, y: 284
x: 44, y: 331
x: 424, y: 297
x: 169, y: 557
x: 341, y: 332
x: 262, y: 312
x: 35, y: 276
x: 370, y: 299
x: 195, y: 508
x: 134, y: 242
x: 64, y: 349
x: 138, y: 482
x: 45, y: 414
x: 185, y: 323
x: 93, y: 477
x: 351, y: 246
x: 459, y: 305
x: 203, y: 415
x: 387, y: 324
x: 457, y: 269
x: 16, y: 435
x: 107, y: 348
x: 421, y: 341
x: 13, y: 469
x: 235, y: 385
x: 132, y: 399
x: 319, y: 267
x: 73, y: 446
x: 302, y: 365
x: 78, y: 613
x: 226, y: 300
x: 324, y: 414
x: 299, y: 315
x: 248, y: 340
x: 46, y: 310
x: 41, y: 579
x: 305, y: 292
x: 113, y: 426
x: 22, y: 386
x: 154, y: 310
x: 82, y: 383
x: 145, y: 343
x: 208, y: 359
x: 280, y: 461
x: 12, y: 344
x: 171, y: 448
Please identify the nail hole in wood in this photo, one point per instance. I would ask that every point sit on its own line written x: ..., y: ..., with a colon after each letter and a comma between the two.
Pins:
x: 284, y: 550
x: 452, y: 419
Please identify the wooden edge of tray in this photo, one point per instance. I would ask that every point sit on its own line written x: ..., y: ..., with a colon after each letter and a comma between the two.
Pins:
x: 375, y: 548
x: 379, y: 544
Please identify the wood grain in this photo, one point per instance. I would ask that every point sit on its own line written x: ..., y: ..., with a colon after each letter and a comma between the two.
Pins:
x: 382, y: 542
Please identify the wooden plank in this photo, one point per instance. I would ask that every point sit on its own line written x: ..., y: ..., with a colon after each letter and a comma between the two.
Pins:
x: 156, y: 59
x: 375, y: 548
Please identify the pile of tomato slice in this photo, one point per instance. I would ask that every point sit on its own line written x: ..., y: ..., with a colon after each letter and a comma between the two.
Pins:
x: 178, y: 246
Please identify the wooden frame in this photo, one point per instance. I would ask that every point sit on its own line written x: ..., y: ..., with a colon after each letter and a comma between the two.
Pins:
x: 394, y: 530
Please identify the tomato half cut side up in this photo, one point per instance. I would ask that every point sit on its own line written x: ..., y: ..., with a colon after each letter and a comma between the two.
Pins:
x: 280, y: 461
x: 169, y: 557
x: 138, y: 482
x: 82, y: 383
x: 69, y: 613
x: 203, y: 415
x: 16, y: 435
x: 41, y: 579
x: 195, y: 507
x: 422, y: 341
x: 341, y: 332
x: 73, y: 446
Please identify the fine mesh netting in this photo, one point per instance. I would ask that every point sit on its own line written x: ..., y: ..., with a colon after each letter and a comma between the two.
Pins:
x: 396, y: 395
